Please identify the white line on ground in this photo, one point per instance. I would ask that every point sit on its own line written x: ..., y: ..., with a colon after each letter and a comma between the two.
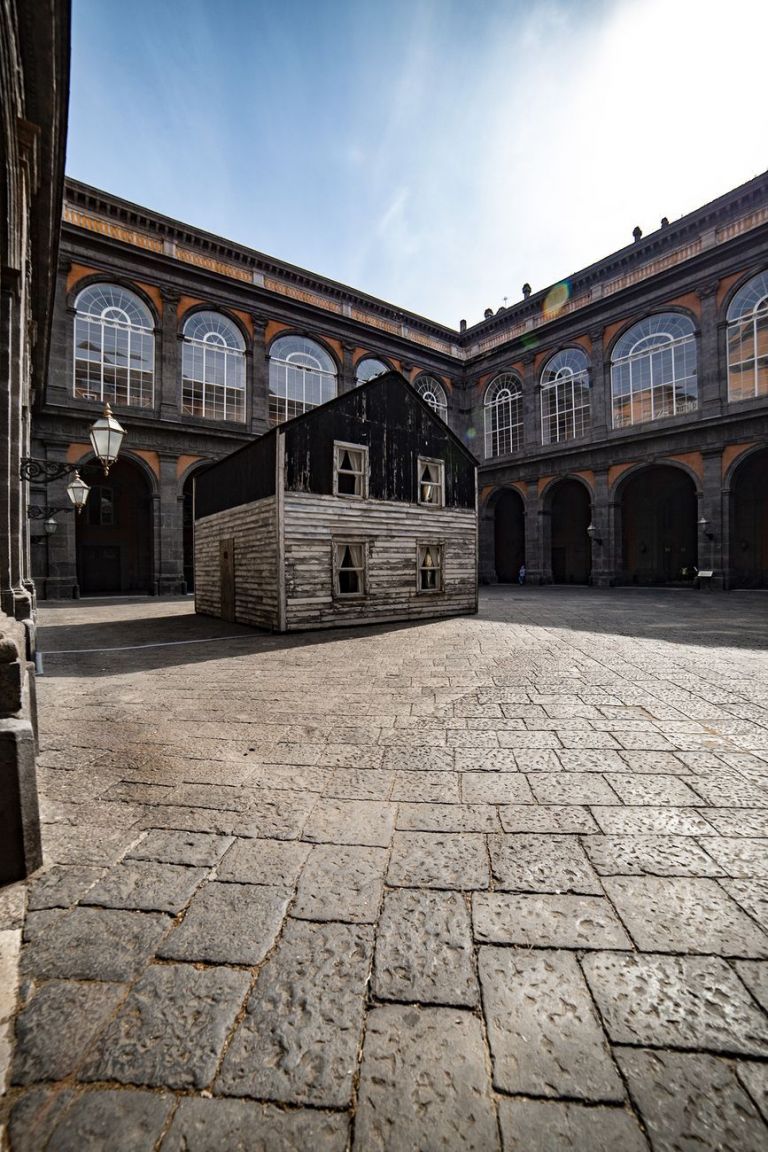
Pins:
x: 134, y: 647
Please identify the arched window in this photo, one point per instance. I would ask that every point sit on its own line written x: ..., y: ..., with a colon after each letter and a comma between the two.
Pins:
x: 301, y: 376
x: 748, y: 340
x: 434, y: 394
x: 368, y: 369
x: 213, y: 368
x: 503, y: 412
x: 565, y: 411
x: 114, y: 347
x: 653, y: 370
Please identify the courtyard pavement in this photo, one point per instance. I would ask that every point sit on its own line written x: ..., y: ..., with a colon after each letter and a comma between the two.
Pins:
x: 486, y: 883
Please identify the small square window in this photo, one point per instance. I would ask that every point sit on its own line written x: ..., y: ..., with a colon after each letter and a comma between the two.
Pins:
x: 430, y: 573
x: 350, y: 470
x: 431, y: 482
x: 349, y: 568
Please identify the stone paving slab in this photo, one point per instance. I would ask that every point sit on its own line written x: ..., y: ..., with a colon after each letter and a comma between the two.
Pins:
x: 424, y: 1083
x: 228, y: 924
x: 544, y: 1034
x: 562, y: 795
x: 690, y: 1100
x: 424, y: 949
x: 171, y: 1029
x: 554, y: 1126
x: 299, y: 1039
x: 214, y: 1125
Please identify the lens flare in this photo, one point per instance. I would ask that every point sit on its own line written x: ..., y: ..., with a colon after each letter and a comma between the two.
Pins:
x: 556, y: 298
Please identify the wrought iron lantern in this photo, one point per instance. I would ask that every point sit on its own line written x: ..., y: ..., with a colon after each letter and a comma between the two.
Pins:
x: 78, y: 490
x: 106, y: 437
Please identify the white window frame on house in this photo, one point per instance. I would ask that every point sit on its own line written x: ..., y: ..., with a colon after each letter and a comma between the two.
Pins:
x: 359, y: 553
x: 747, y: 340
x: 503, y: 416
x: 114, y: 354
x: 429, y: 550
x: 435, y: 487
x: 358, y: 456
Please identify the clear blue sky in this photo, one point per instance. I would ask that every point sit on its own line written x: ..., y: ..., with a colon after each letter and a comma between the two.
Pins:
x: 436, y: 153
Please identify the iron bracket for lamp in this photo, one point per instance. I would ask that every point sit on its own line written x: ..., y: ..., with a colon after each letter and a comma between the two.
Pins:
x: 41, y: 512
x: 46, y: 470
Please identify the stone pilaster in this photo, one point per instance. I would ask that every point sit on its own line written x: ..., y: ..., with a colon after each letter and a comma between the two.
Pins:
x: 531, y: 406
x: 168, y: 359
x: 347, y: 376
x: 603, y: 573
x: 712, y: 546
x: 169, y: 510
x: 710, y: 375
x: 601, y: 414
x: 258, y: 389
x: 537, y: 550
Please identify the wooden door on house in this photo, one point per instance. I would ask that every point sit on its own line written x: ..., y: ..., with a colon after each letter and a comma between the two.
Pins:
x: 227, y: 577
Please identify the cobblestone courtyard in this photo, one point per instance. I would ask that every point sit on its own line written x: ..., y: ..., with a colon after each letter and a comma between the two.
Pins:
x: 494, y: 882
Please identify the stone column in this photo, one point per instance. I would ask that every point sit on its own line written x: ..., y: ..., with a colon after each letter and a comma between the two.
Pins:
x: 168, y: 509
x: 711, y: 542
x: 531, y: 405
x: 487, y: 544
x: 61, y: 363
x: 603, y: 573
x: 537, y: 559
x: 61, y: 580
x: 709, y: 374
x: 258, y: 420
x: 347, y: 376
x: 601, y: 414
x: 168, y: 359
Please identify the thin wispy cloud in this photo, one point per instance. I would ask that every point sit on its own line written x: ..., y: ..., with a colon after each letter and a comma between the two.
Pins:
x: 432, y: 152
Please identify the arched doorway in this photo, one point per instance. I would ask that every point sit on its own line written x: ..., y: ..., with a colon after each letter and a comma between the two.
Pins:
x: 509, y: 522
x: 114, y: 533
x: 570, y: 507
x: 658, y: 516
x: 749, y: 523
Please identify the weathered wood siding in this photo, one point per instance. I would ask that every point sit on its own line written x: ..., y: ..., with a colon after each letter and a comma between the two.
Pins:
x: 254, y: 530
x: 392, y: 530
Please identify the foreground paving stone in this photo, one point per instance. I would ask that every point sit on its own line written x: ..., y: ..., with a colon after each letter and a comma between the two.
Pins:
x: 533, y: 863
x: 228, y: 924
x: 754, y: 1077
x: 58, y: 1025
x: 649, y: 856
x: 171, y: 1029
x: 545, y: 1037
x: 146, y: 886
x: 341, y: 882
x: 539, y: 921
x: 684, y: 915
x: 112, y: 1121
x: 299, y: 1039
x: 197, y: 849
x: 424, y: 949
x: 95, y: 944
x: 572, y: 788
x: 496, y: 788
x: 691, y: 1101
x: 216, y: 1125
x: 676, y: 1002
x: 35, y: 1115
x: 754, y: 973
x: 61, y: 886
x: 550, y: 1126
x: 360, y: 784
x: 424, y: 1083
x: 742, y: 859
x: 435, y: 860
x: 272, y: 862
x: 566, y: 818
x: 447, y: 818
x: 752, y: 896
x: 738, y: 821
x: 651, y: 820
x: 362, y: 822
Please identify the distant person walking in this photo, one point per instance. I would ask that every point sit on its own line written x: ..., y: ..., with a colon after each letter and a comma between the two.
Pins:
x: 521, y: 574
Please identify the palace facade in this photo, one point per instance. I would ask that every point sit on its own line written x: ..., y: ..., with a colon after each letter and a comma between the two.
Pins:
x: 619, y: 418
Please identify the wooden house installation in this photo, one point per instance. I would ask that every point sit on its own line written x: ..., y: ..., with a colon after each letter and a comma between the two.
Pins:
x: 359, y: 511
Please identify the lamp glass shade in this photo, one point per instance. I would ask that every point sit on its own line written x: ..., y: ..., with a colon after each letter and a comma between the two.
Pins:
x: 591, y: 530
x: 50, y: 526
x: 106, y: 437
x: 78, y: 490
